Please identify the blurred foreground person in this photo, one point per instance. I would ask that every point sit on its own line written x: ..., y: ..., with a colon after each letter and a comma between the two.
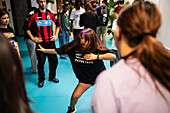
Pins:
x: 12, y: 84
x: 140, y: 82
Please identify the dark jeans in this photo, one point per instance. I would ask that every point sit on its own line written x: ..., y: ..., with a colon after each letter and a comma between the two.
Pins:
x: 52, y: 59
x: 76, y: 32
x: 113, y: 61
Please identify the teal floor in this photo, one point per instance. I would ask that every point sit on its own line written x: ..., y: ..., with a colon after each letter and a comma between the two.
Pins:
x: 54, y: 97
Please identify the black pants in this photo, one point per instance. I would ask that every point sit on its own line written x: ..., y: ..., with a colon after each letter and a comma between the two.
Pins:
x: 52, y: 59
x: 113, y: 61
x: 76, y: 32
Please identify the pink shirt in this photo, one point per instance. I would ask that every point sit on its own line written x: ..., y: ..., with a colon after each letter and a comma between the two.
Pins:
x: 120, y: 89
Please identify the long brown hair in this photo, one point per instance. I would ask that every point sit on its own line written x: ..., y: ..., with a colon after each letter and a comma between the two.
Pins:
x: 88, y: 6
x: 139, y: 24
x: 93, y: 42
x: 12, y: 84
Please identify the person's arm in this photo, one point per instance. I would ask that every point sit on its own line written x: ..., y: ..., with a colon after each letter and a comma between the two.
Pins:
x: 58, y: 24
x: 51, y: 51
x: 106, y: 56
x: 54, y: 37
x: 96, y: 10
x: 17, y: 47
x: 114, y: 27
x: 27, y: 24
x: 71, y: 18
x: 35, y: 39
x: 61, y: 30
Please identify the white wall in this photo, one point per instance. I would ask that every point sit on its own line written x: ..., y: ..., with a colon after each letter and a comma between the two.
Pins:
x: 34, y: 3
x: 165, y: 29
x: 164, y: 34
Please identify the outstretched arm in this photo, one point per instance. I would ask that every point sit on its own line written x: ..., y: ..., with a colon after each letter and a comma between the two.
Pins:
x: 106, y: 56
x: 52, y: 51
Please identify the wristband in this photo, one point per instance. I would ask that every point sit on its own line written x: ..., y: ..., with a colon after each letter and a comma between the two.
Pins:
x: 97, y: 56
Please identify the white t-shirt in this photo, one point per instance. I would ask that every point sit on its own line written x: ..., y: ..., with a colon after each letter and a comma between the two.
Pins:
x: 75, y: 16
x: 114, y: 26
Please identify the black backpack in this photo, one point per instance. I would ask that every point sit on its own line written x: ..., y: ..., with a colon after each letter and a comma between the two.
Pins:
x: 103, y: 16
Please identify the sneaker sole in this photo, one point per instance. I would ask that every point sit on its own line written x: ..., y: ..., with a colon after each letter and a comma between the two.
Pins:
x: 74, y: 111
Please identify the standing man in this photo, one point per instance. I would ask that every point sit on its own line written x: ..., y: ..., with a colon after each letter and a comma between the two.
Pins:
x: 75, y: 18
x: 42, y: 21
x: 103, y: 13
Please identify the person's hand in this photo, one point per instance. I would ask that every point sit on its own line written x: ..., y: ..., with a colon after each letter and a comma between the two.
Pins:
x: 37, y: 39
x: 53, y: 38
x: 41, y: 48
x: 90, y: 56
x: 61, y: 31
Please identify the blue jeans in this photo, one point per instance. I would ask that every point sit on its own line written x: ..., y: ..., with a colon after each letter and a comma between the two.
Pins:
x: 63, y: 38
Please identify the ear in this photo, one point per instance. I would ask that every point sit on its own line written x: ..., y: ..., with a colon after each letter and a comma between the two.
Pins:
x: 118, y: 32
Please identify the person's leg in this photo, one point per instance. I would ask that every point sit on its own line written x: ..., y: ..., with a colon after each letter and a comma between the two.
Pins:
x: 67, y: 35
x: 41, y: 61
x: 104, y: 33
x: 62, y: 41
x: 79, y: 90
x: 76, y: 32
x: 31, y: 46
x: 53, y: 62
x: 98, y: 32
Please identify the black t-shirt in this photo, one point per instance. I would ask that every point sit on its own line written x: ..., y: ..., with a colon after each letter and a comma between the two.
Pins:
x: 9, y: 33
x: 85, y: 70
x: 89, y: 20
